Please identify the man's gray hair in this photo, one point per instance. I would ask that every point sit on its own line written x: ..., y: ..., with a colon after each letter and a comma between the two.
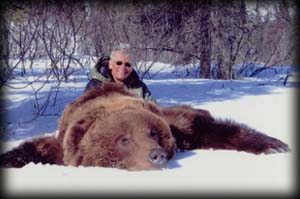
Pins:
x: 125, y: 47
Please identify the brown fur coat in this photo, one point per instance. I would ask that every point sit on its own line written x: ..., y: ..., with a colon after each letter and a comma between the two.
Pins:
x: 109, y: 127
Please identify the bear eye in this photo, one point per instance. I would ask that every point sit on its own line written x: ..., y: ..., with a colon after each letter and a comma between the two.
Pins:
x: 153, y: 134
x: 124, y: 140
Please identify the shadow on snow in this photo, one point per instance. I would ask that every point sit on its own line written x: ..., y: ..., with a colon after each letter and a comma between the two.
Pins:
x: 191, y: 92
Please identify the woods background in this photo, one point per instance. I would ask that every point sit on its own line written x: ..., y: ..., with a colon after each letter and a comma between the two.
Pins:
x: 213, y: 36
x: 43, y: 43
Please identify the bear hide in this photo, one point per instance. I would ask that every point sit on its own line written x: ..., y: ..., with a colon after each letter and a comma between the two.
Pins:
x: 110, y: 127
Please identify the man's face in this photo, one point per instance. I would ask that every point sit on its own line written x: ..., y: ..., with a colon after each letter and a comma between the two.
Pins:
x: 120, y: 66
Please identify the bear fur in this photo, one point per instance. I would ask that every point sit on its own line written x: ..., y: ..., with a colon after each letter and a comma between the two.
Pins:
x: 110, y: 127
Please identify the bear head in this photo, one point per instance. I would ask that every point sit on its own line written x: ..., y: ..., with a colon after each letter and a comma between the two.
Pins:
x: 119, y: 131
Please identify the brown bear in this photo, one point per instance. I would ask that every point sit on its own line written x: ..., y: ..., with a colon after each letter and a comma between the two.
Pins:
x: 110, y: 127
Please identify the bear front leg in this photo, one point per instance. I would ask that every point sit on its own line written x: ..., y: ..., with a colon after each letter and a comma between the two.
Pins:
x: 41, y: 150
x: 225, y: 134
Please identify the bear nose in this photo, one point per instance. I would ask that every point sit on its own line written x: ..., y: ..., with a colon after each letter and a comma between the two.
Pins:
x: 158, y: 157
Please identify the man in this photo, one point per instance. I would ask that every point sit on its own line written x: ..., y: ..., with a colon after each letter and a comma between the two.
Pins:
x: 118, y: 68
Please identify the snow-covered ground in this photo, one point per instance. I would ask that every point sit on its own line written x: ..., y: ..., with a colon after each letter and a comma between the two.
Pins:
x: 263, y: 104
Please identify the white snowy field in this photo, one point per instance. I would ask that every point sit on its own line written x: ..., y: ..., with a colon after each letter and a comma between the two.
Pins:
x: 260, y: 103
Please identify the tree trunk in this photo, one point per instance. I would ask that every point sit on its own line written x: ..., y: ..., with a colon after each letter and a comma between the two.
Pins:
x: 205, y: 36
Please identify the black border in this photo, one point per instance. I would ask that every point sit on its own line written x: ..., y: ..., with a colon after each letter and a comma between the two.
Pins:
x: 172, y: 195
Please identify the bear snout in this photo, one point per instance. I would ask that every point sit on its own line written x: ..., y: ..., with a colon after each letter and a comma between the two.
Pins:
x: 158, y: 157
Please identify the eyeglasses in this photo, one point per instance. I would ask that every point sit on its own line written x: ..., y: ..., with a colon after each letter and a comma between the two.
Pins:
x: 127, y: 64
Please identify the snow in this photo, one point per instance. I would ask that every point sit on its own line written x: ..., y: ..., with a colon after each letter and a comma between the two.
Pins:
x: 261, y: 103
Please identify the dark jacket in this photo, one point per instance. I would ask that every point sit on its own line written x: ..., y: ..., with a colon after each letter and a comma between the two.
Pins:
x: 100, y: 73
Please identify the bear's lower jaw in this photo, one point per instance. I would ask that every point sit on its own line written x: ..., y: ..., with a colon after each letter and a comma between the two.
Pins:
x: 146, y: 168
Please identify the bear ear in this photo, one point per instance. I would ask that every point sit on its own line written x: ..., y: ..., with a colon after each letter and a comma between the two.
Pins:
x: 152, y: 108
x: 74, y: 135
